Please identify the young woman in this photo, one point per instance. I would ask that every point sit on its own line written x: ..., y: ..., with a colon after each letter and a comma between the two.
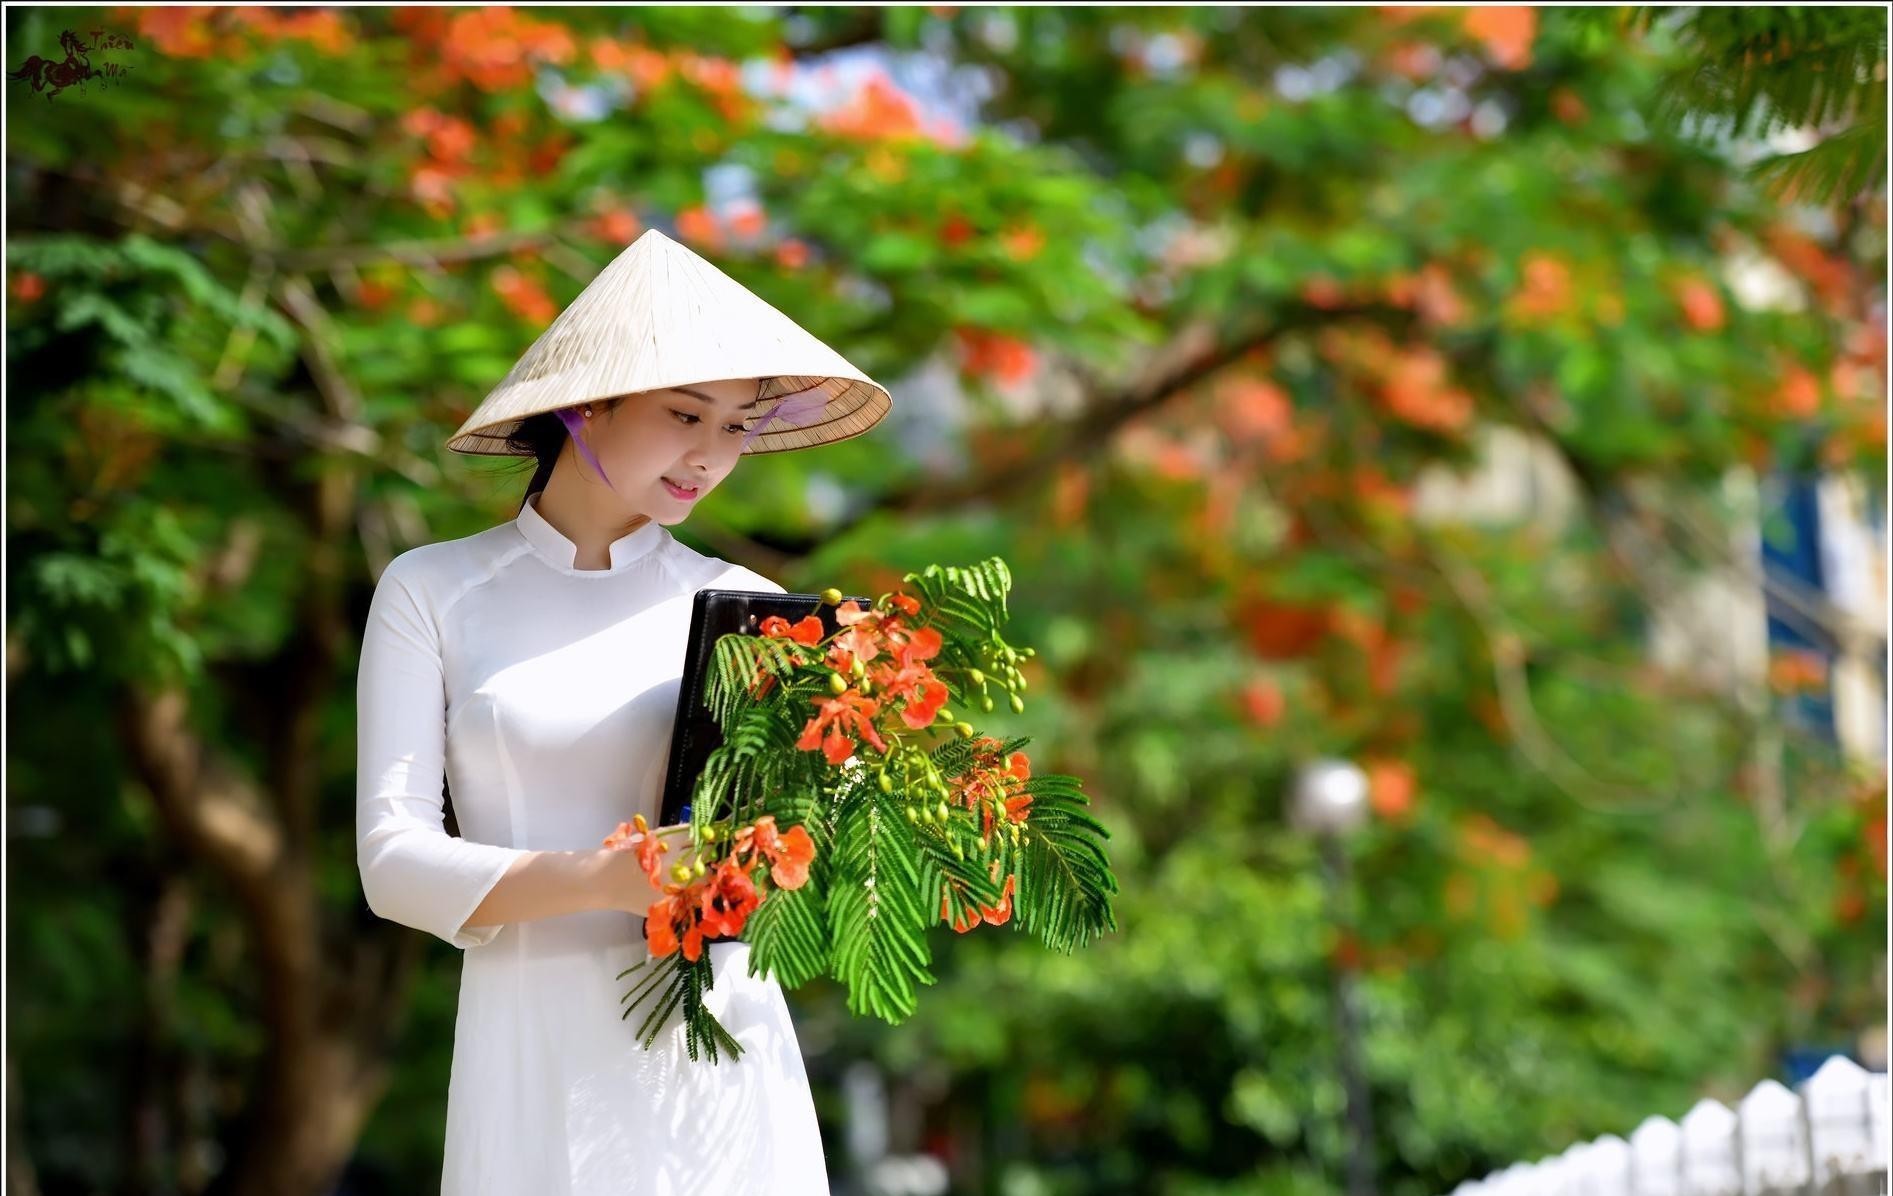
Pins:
x: 530, y: 672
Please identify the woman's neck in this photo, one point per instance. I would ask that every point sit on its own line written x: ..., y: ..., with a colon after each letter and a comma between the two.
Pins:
x: 583, y: 519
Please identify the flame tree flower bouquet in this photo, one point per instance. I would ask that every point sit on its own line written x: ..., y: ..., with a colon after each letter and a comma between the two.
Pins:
x: 850, y: 808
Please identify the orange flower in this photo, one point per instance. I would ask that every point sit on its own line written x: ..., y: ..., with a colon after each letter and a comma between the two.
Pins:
x: 964, y: 923
x: 1023, y: 242
x: 911, y: 646
x: 990, y: 782
x: 879, y: 111
x: 1795, y: 669
x: 696, y: 223
x: 1321, y: 291
x: 807, y: 631
x: 839, y: 719
x: 680, y: 909
x: 1506, y: 31
x: 789, y: 853
x: 999, y: 914
x: 1798, y: 396
x: 792, y: 254
x: 494, y: 48
x: 907, y: 677
x: 915, y: 685
x: 1567, y: 107
x: 995, y: 915
x: 1484, y: 839
x: 1390, y: 788
x: 1701, y: 305
x: 1254, y: 409
x: 620, y: 226
x: 1263, y: 702
x: 762, y: 683
x: 524, y: 296
x: 640, y: 838
x: 728, y: 900
x: 788, y: 867
x: 955, y: 230
x: 747, y: 221
x: 996, y: 355
x: 1546, y: 288
x: 374, y: 294
x: 1418, y: 390
x: 861, y: 638
x: 1019, y: 802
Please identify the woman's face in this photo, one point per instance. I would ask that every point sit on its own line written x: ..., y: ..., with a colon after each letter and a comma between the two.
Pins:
x: 688, y: 435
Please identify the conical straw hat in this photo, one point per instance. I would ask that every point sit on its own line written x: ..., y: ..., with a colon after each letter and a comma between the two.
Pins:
x: 659, y: 315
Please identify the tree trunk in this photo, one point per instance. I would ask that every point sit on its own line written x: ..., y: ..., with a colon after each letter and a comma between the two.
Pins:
x: 326, y: 1016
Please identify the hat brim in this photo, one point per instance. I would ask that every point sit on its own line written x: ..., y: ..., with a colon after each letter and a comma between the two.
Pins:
x: 853, y: 407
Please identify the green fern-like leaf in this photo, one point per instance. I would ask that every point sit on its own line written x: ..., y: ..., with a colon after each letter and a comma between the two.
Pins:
x: 961, y: 881
x: 1753, y: 70
x: 1848, y: 163
x: 1065, y: 881
x: 673, y: 982
x: 735, y: 659
x: 758, y: 749
x: 974, y: 596
x: 877, y: 911
x: 788, y: 933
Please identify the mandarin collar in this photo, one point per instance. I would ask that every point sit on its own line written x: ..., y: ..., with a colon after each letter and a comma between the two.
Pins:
x: 562, y: 554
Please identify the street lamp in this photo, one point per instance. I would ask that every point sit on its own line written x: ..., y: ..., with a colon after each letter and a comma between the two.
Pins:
x: 1329, y: 799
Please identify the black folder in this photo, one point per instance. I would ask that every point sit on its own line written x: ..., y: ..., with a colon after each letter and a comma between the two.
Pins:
x: 714, y: 614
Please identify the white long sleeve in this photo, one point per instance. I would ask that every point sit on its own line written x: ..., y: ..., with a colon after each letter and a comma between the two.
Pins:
x: 412, y: 871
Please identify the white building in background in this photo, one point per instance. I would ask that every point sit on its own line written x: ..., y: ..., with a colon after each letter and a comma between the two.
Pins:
x: 1776, y: 565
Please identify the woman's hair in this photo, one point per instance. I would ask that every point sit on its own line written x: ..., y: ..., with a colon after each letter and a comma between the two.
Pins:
x: 543, y: 435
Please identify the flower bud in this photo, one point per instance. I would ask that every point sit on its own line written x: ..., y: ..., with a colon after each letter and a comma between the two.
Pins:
x: 986, y: 703
x: 944, y: 715
x: 942, y: 808
x: 1018, y: 681
x: 976, y: 677
x: 965, y: 729
x: 912, y: 816
x: 837, y: 683
x: 831, y: 596
x: 1018, y: 704
x: 680, y: 872
x: 700, y: 868
x: 885, y: 782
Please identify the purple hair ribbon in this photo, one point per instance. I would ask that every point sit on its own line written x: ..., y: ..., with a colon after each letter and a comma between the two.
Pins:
x: 569, y: 416
x: 796, y: 409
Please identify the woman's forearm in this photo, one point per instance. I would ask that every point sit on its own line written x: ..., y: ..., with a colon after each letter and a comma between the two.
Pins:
x: 548, y: 884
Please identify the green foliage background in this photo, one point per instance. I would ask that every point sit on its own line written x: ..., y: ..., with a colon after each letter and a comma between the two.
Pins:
x: 256, y: 279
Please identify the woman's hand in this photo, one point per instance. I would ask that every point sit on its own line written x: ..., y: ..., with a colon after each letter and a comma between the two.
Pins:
x: 625, y: 884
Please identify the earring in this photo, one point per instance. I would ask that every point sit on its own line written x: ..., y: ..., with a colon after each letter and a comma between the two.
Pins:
x: 588, y: 413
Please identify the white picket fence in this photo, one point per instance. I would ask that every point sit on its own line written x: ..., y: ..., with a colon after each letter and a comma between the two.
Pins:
x: 1828, y: 1137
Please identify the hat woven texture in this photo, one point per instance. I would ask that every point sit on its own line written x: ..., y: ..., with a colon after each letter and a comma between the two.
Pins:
x: 660, y: 315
